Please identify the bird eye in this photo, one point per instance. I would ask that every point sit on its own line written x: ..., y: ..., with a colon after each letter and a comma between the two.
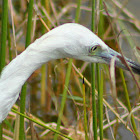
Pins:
x: 93, y: 49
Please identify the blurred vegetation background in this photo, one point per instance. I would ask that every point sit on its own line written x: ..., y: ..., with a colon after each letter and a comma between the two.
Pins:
x: 45, y: 86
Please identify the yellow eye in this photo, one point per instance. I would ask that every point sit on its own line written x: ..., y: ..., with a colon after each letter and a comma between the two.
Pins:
x: 93, y: 49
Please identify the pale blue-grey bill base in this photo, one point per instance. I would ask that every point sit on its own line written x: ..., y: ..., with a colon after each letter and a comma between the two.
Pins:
x: 107, y: 56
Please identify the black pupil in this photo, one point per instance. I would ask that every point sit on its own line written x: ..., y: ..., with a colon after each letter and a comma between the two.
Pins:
x: 94, y: 48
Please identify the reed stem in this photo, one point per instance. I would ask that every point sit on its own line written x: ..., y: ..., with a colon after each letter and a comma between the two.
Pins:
x: 100, y: 99
x: 67, y: 77
x: 128, y: 102
x: 85, y: 112
x: 23, y: 91
x: 100, y: 74
x: 64, y: 97
x: 3, y: 41
x: 3, y: 34
x: 93, y: 79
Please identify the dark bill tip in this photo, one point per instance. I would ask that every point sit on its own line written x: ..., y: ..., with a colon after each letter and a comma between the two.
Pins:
x: 135, y: 67
x: 120, y: 62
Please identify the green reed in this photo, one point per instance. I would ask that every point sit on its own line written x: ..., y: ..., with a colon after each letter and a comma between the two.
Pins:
x: 23, y: 91
x: 3, y: 34
x: 94, y: 113
x: 41, y: 124
x: 3, y: 41
x: 67, y: 79
x: 85, y: 112
x: 100, y: 73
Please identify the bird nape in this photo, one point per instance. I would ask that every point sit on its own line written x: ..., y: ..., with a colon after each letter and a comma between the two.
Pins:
x: 69, y: 40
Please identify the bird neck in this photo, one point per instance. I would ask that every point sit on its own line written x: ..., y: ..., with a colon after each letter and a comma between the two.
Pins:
x: 20, y: 68
x: 17, y: 72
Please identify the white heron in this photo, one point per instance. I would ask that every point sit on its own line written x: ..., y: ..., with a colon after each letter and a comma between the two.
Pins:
x: 69, y: 40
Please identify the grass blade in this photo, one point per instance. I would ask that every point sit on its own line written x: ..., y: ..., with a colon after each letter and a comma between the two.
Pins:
x: 41, y: 124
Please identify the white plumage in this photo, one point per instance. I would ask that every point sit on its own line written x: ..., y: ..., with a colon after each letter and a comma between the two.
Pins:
x: 68, y: 40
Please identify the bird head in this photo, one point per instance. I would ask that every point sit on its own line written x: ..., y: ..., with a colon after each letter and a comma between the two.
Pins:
x: 76, y: 41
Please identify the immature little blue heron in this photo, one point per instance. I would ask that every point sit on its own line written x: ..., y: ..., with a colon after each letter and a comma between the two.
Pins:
x: 69, y: 40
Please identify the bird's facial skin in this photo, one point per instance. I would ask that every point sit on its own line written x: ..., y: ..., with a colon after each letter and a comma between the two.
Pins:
x: 97, y: 52
x: 94, y: 49
x: 105, y: 56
